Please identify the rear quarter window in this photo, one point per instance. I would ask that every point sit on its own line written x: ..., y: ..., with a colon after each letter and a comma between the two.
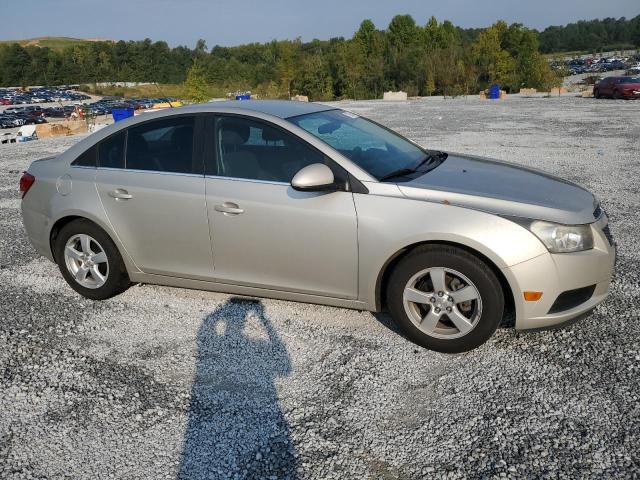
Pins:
x: 111, y: 151
x: 89, y: 158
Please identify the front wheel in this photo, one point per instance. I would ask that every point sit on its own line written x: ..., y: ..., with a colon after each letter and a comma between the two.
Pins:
x: 445, y: 299
x: 89, y: 261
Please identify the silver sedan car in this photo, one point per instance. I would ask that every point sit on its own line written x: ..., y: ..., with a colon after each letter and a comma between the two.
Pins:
x: 310, y: 203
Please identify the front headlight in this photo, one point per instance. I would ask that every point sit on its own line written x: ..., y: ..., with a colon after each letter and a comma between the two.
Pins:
x: 558, y: 238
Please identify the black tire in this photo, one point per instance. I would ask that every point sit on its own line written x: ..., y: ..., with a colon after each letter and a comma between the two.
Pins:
x: 117, y: 279
x: 483, y: 278
x: 596, y: 93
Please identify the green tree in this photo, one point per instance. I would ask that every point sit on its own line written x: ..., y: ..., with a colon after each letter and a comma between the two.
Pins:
x: 313, y: 79
x: 351, y: 66
x: 436, y: 58
x: 366, y: 36
x: 196, y: 84
x: 285, y: 63
x: 104, y: 68
x: 430, y: 84
x: 402, y: 31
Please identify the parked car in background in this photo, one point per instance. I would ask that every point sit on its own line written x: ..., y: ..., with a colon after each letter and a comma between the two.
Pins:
x: 618, y: 88
x: 32, y: 119
x: 41, y: 95
x: 12, y: 110
x: 56, y: 112
x: 307, y: 202
x: 6, y: 121
x: 11, y: 120
x: 34, y: 110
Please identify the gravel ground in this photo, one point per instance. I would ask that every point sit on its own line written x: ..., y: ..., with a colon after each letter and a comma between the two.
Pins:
x: 164, y: 383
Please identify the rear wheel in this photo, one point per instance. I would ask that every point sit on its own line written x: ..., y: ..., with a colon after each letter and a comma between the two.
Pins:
x: 89, y: 260
x: 445, y: 298
x: 596, y: 93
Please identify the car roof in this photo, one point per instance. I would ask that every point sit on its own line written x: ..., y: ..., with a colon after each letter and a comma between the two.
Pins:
x: 277, y: 108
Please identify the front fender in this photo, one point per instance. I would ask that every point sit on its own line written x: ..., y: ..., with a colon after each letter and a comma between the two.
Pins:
x: 388, y: 225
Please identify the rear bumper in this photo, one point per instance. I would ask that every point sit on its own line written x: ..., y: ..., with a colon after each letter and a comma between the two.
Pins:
x: 36, y: 225
x: 555, y: 274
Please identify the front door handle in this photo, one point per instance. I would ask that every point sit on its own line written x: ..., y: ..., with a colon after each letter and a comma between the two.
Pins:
x: 120, y: 194
x: 229, y: 208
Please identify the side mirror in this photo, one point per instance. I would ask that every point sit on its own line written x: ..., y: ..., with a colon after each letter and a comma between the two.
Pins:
x: 314, y: 178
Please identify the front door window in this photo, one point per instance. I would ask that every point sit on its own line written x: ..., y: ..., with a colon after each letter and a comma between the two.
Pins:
x: 254, y: 150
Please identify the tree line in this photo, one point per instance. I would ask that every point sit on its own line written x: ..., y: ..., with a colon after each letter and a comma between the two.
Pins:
x: 592, y: 36
x: 434, y: 58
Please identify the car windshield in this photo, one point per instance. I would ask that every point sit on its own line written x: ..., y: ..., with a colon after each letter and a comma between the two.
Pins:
x: 630, y: 80
x: 378, y: 151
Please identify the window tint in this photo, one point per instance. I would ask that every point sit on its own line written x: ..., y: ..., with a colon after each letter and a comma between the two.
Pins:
x: 257, y: 151
x: 88, y: 158
x: 163, y: 145
x: 111, y: 151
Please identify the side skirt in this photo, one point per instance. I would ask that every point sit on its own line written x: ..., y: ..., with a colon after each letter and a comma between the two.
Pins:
x: 246, y: 291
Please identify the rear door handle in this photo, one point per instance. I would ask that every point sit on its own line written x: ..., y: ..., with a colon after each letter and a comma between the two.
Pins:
x: 229, y: 208
x: 120, y: 194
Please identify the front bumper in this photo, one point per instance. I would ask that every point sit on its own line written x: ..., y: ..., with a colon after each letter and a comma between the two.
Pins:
x: 554, y: 274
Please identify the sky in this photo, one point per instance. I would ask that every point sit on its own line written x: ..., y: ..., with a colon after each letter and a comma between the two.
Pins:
x: 233, y: 22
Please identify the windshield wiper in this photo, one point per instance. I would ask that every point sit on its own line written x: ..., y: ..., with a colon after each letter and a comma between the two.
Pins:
x: 431, y: 157
x: 398, y: 173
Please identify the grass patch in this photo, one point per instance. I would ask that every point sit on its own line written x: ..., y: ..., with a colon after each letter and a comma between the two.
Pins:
x: 151, y: 91
x: 177, y: 91
x: 54, y: 43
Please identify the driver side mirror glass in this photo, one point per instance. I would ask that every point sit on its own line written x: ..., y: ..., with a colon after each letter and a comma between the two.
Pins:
x: 317, y: 177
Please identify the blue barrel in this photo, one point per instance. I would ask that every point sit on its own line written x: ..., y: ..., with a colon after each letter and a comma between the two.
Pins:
x: 494, y: 91
x: 244, y: 96
x: 121, y: 113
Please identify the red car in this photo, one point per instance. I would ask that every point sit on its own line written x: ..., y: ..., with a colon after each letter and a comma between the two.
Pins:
x: 617, y: 87
x: 5, y: 101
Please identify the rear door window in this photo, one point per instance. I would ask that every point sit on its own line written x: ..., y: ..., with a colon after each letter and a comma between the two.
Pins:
x: 164, y: 145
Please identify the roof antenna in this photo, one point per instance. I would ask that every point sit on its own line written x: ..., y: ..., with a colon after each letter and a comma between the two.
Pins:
x: 163, y: 94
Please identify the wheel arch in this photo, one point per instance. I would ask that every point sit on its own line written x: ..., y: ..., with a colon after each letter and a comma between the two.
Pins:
x: 389, y: 265
x: 71, y: 216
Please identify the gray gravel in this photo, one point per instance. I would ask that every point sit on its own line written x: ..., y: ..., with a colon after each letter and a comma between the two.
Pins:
x: 165, y: 383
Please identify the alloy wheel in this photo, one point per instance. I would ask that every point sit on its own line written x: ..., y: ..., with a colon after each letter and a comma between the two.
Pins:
x: 442, y: 302
x: 86, y: 261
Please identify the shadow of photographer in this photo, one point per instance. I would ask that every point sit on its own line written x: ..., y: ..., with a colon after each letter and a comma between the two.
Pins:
x: 235, y: 426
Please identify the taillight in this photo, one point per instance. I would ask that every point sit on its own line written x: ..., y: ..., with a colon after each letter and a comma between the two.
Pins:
x: 26, y: 181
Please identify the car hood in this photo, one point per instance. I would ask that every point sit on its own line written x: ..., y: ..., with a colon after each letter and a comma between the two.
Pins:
x: 504, y: 189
